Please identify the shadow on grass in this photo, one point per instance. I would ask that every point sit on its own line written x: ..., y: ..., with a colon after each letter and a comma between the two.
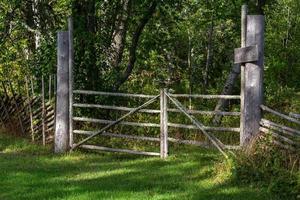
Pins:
x: 189, y: 175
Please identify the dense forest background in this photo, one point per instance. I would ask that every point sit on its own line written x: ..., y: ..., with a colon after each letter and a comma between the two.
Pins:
x: 139, y: 46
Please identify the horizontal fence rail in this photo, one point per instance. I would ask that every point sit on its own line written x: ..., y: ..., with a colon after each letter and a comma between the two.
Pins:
x: 294, y: 115
x: 203, y: 96
x: 153, y: 111
x: 146, y: 124
x: 94, y: 147
x: 89, y: 92
x: 277, y: 127
x: 286, y: 117
x: 152, y: 139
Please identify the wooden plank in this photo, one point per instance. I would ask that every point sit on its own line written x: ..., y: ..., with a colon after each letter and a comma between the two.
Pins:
x: 294, y: 115
x: 207, y: 128
x: 40, y: 109
x: 286, y: 117
x: 283, y: 129
x: 153, y: 111
x: 134, y: 137
x: 141, y: 124
x: 103, y: 121
x: 117, y: 121
x: 288, y: 147
x: 188, y: 142
x: 206, y: 112
x: 252, y: 85
x: 203, y: 96
x: 120, y: 108
x: 89, y: 92
x: 245, y: 54
x: 82, y: 132
x: 232, y: 147
x: 51, y: 128
x: 93, y: 147
x: 278, y: 136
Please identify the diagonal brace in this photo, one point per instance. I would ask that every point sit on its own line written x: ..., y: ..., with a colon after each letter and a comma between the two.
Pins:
x: 116, y: 122
x: 217, y: 143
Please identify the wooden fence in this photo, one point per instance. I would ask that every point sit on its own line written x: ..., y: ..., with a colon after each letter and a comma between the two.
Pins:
x: 282, y: 135
x: 30, y: 114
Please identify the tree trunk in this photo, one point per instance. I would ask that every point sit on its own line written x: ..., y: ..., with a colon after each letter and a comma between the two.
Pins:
x: 119, y: 34
x: 209, y: 53
x: 29, y: 20
x: 260, y: 6
x: 227, y: 90
x: 37, y: 34
x: 134, y: 44
x: 92, y: 70
x: 85, y: 31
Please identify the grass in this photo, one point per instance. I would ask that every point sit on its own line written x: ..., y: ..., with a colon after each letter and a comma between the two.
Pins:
x: 28, y: 171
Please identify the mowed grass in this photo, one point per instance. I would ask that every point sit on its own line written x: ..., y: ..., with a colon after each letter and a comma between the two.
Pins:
x: 29, y: 171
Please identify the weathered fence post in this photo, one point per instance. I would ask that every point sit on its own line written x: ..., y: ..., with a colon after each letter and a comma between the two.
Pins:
x: 71, y: 63
x: 252, y: 77
x: 43, y: 111
x: 163, y: 124
x: 62, y: 98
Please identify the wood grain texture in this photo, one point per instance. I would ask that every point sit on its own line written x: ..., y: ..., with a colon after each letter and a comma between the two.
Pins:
x: 61, y: 137
x: 253, y: 80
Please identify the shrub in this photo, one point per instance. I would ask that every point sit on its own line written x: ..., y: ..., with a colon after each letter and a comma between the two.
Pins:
x: 263, y: 163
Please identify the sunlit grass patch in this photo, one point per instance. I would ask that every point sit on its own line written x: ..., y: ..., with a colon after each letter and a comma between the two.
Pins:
x: 28, y: 171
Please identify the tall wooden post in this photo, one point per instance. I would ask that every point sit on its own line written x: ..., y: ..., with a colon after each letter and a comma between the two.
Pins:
x: 49, y: 87
x: 252, y: 88
x: 62, y: 98
x: 163, y: 124
x: 30, y: 108
x: 244, y: 13
x: 71, y: 63
x: 43, y: 111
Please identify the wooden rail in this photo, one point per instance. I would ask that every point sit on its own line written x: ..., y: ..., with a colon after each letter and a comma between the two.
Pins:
x: 283, y: 136
x: 89, y: 92
x: 153, y: 111
x: 286, y: 117
x: 202, y: 96
x: 294, y: 115
x: 94, y: 147
x: 146, y: 124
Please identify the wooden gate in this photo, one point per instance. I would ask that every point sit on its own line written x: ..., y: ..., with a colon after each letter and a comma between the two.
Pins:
x: 164, y: 124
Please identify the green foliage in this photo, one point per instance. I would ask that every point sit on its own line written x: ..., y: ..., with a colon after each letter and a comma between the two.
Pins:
x: 267, y: 165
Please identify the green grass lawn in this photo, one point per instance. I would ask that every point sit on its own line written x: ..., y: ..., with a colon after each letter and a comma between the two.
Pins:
x: 28, y: 171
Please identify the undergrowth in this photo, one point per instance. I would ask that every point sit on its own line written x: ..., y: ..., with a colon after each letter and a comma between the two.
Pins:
x: 266, y: 165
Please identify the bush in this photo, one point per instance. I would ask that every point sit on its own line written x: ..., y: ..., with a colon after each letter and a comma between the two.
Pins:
x: 263, y: 163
